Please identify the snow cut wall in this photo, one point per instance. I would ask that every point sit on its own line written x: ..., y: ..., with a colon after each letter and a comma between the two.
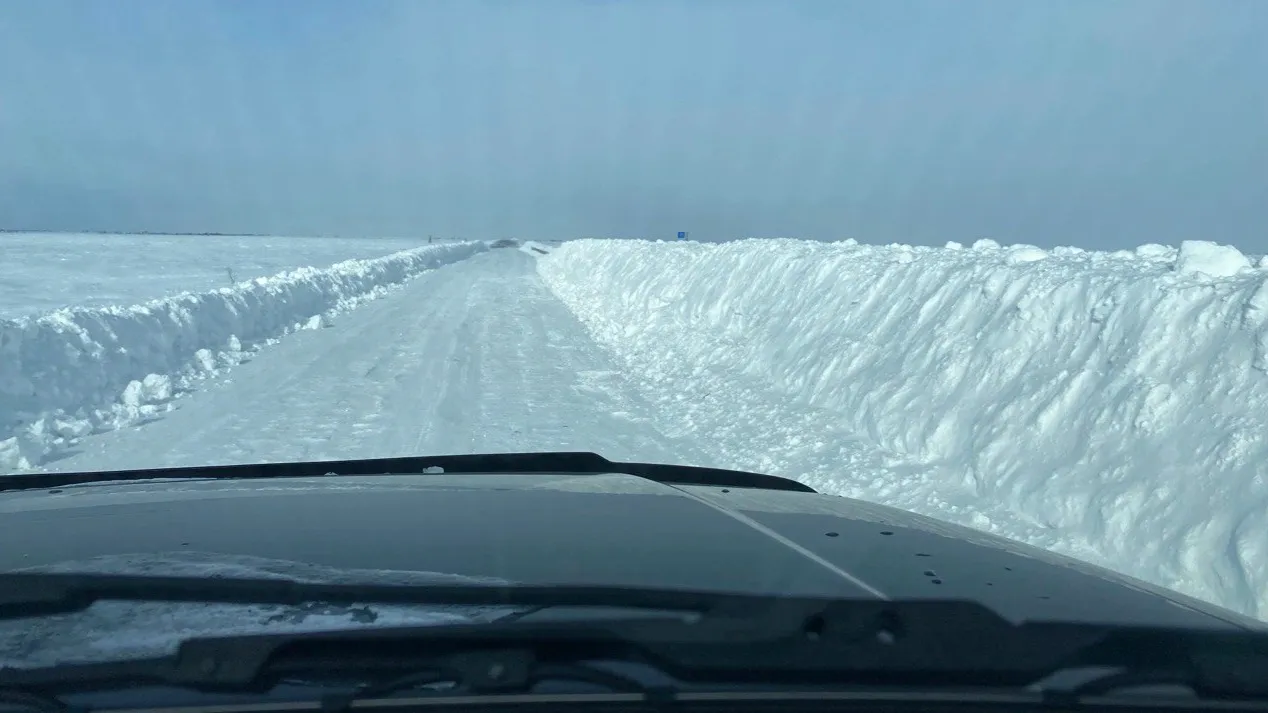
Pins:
x: 1117, y: 403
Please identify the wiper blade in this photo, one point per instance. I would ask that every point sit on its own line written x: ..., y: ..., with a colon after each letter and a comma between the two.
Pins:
x: 561, y: 462
x: 27, y: 594
x: 702, y: 637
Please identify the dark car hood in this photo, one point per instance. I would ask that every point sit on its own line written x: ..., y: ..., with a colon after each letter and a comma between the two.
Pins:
x: 579, y: 529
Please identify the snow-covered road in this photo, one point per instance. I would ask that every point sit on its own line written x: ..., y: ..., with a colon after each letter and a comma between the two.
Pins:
x: 475, y: 356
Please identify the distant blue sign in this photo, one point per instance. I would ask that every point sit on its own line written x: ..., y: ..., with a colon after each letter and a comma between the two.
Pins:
x: 682, y: 235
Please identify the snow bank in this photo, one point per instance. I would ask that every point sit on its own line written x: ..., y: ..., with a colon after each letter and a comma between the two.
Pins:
x: 75, y: 371
x: 47, y: 271
x: 1112, y: 406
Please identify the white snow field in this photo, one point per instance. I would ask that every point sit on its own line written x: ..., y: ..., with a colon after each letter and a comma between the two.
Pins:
x: 1110, y: 406
x: 41, y: 272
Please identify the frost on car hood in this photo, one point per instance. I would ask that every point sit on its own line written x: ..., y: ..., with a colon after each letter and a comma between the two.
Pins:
x: 115, y: 630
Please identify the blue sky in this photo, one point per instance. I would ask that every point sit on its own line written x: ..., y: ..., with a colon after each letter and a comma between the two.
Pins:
x: 1080, y: 122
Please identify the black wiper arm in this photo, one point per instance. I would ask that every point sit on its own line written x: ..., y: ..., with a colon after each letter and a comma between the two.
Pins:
x: 28, y: 594
x: 562, y: 462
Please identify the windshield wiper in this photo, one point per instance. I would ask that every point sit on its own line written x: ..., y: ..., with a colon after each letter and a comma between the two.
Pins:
x: 702, y: 638
x: 25, y: 594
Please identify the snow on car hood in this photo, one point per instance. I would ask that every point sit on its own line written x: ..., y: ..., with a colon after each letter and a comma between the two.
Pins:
x: 115, y: 630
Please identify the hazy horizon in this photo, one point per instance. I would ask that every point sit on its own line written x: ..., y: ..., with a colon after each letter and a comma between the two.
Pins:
x: 1093, y: 123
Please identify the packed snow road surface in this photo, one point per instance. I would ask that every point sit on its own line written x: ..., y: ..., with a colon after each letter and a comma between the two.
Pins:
x: 475, y: 356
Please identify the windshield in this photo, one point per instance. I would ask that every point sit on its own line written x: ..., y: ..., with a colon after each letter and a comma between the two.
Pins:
x: 990, y: 264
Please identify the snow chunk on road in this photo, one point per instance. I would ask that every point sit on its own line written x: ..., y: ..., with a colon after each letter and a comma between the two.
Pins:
x: 1103, y: 405
x: 154, y: 388
x: 80, y: 370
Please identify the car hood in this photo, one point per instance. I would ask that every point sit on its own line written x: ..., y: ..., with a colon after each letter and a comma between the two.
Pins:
x: 612, y: 529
